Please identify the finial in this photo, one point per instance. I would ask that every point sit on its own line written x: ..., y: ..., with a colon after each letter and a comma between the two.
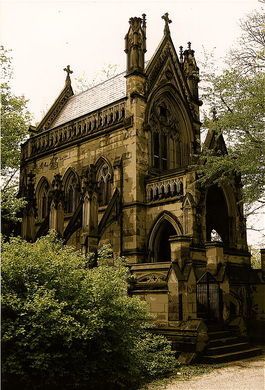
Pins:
x: 144, y: 20
x: 214, y: 113
x: 181, y: 53
x: 189, y: 45
x: 167, y: 22
x: 68, y: 71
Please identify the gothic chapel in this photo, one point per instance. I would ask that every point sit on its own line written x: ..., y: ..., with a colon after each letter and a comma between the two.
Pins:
x: 115, y: 164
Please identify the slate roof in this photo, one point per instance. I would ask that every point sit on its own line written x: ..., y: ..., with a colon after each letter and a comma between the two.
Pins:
x: 94, y: 98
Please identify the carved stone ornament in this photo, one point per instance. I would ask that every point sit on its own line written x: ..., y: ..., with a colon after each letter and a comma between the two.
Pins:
x: 151, y: 278
x: 88, y: 181
x: 163, y: 119
x: 135, y: 45
x: 57, y: 193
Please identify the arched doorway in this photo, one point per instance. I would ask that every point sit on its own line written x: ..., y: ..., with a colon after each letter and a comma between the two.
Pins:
x: 217, y: 219
x: 159, y: 245
x: 162, y: 245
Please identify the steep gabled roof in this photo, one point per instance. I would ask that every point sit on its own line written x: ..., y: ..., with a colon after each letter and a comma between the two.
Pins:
x: 165, y: 68
x: 164, y: 51
x: 92, y: 99
x: 56, y: 108
x: 215, y: 141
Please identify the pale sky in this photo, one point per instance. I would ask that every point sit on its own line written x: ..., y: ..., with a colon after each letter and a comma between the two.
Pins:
x: 45, y: 36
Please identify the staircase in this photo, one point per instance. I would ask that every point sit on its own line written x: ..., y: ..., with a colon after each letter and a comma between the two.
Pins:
x: 227, y: 344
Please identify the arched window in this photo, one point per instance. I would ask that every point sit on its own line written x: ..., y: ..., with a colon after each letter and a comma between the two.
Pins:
x: 165, y: 137
x: 160, y: 141
x: 42, y: 198
x: 71, y: 191
x: 104, y: 179
x: 171, y: 133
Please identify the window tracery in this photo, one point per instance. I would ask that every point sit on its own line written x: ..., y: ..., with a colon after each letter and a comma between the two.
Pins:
x: 165, y: 140
x: 104, y: 179
x: 43, y: 199
x: 71, y: 190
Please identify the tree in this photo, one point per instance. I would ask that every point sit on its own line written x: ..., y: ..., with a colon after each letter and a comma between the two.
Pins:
x: 65, y: 324
x: 15, y: 120
x: 236, y: 96
x: 108, y: 71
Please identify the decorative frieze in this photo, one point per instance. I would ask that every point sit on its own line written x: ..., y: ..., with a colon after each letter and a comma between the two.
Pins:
x: 64, y: 134
x: 165, y: 188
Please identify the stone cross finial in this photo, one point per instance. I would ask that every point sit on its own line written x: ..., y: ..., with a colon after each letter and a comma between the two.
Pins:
x: 189, y: 45
x: 68, y: 71
x: 167, y: 22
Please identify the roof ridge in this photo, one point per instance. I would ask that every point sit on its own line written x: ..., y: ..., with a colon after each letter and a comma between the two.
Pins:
x: 102, y: 82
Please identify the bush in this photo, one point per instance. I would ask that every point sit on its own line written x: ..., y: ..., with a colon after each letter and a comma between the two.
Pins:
x: 65, y: 325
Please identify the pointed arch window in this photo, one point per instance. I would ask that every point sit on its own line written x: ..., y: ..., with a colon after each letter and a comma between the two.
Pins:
x: 42, y: 199
x: 168, y: 146
x: 71, y: 192
x: 104, y: 179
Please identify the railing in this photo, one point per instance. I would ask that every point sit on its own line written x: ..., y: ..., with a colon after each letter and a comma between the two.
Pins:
x: 164, y: 188
x: 64, y: 134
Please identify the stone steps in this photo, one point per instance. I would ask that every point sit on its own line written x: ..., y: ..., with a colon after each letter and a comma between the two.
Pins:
x: 227, y: 348
x: 226, y: 340
x: 225, y: 357
x: 226, y: 345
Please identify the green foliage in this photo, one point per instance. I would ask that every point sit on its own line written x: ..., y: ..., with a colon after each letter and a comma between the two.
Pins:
x: 65, y: 324
x: 156, y: 355
x: 14, y: 129
x: 237, y: 95
x: 108, y: 71
x: 11, y: 204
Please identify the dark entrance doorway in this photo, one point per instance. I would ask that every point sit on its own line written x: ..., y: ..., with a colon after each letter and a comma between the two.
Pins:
x: 208, y: 298
x: 217, y: 218
x: 162, y: 250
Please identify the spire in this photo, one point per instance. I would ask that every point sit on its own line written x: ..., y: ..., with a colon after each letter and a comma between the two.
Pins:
x: 167, y: 22
x: 135, y: 45
x: 68, y: 71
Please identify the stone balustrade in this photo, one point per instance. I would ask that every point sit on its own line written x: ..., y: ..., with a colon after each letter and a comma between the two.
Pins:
x: 55, y: 137
x: 163, y: 188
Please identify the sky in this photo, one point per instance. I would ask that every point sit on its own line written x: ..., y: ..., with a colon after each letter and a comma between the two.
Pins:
x: 45, y: 36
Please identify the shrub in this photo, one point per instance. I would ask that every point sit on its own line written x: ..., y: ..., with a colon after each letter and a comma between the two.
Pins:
x: 65, y: 325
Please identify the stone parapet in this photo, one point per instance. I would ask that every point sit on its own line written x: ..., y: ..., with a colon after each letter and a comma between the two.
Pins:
x: 45, y: 141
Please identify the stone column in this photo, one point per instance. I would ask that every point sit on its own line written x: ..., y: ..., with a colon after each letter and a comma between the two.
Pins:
x: 180, y: 249
x: 214, y: 254
x: 56, y: 217
x: 89, y: 236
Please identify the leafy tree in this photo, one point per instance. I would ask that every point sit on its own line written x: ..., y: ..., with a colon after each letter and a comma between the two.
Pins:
x: 14, y: 128
x: 64, y: 324
x: 236, y: 97
x: 108, y: 71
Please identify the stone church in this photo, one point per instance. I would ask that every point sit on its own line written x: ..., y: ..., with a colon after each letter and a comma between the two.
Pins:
x: 115, y: 164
